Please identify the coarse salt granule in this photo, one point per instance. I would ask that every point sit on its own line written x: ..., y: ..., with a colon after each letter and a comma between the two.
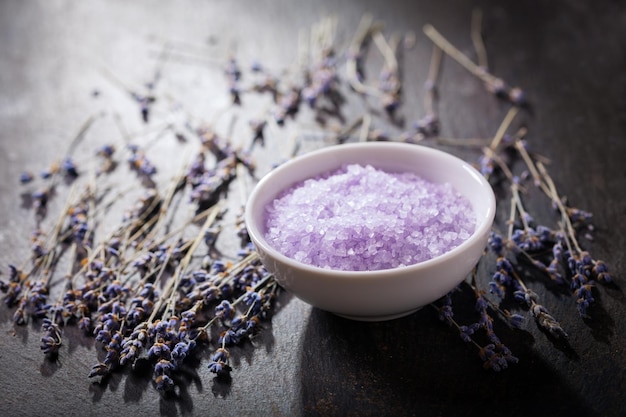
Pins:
x: 360, y: 218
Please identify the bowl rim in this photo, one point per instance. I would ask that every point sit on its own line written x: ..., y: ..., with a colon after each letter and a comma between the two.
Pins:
x: 256, y: 234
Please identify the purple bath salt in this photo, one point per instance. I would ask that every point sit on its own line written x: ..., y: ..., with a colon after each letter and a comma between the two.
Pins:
x: 360, y: 218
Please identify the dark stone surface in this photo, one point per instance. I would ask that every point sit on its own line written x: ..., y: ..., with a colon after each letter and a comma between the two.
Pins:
x: 570, y: 58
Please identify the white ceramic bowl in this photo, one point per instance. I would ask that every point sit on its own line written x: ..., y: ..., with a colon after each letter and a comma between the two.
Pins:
x: 384, y: 294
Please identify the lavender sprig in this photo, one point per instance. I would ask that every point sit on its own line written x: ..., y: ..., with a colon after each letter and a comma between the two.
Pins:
x: 495, y: 355
x: 259, y: 300
x: 493, y: 84
x: 51, y: 340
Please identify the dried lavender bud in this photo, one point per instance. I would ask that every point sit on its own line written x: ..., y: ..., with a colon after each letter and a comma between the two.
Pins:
x: 526, y: 296
x: 145, y: 102
x: 496, y: 357
x: 140, y: 163
x: 159, y: 350
x: 578, y: 216
x: 256, y: 66
x: 495, y: 243
x: 584, y: 298
x: 546, y: 321
x: 224, y: 310
x: 233, y: 75
x: 428, y: 125
x: 69, y: 168
x: 445, y: 310
x: 258, y: 128
x: 601, y: 272
x: 99, y: 369
x: 26, y: 177
x: 289, y: 104
x: 515, y: 320
x: 219, y: 362
x: 51, y: 340
x: 106, y: 151
x: 517, y: 96
x: 164, y: 383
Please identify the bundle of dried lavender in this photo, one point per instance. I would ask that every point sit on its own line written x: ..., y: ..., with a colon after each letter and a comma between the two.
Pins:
x: 140, y: 289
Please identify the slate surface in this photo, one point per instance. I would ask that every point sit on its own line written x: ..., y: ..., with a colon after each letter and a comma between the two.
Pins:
x: 570, y: 57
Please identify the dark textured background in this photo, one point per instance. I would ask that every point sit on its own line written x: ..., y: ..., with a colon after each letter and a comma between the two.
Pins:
x: 570, y: 57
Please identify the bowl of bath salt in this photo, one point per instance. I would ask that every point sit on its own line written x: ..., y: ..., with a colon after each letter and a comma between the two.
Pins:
x: 371, y: 231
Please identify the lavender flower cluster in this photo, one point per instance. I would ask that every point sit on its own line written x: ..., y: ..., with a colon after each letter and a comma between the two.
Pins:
x: 136, y: 290
x: 494, y: 354
x: 528, y: 247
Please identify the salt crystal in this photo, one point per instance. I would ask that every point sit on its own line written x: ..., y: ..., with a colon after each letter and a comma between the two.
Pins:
x: 368, y: 219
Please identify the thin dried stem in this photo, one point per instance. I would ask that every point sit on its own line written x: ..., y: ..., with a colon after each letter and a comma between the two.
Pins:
x: 365, y: 28
x: 433, y: 79
x: 439, y: 40
x: 517, y: 202
x: 165, y: 205
x: 386, y: 50
x: 172, y: 284
x: 493, y: 84
x: 477, y: 38
x: 508, y: 119
x: 365, y: 128
x: 556, y: 199
x: 519, y: 145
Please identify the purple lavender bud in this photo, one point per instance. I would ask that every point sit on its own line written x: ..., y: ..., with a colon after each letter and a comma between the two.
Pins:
x: 497, y: 87
x: 180, y: 351
x: 104, y: 336
x: 516, y: 320
x: 84, y: 324
x: 486, y: 165
x: 40, y: 198
x: 481, y: 303
x: 238, y: 321
x: 69, y: 168
x: 100, y: 369
x: 228, y: 337
x: 487, y: 352
x: 14, y: 273
x: 517, y: 96
x: 446, y: 313
x: 106, y: 151
x: 164, y: 383
x: 583, y: 305
x: 163, y: 367
x: 128, y: 355
x: 496, y: 243
x: 232, y: 69
x: 159, y: 350
x: 465, y: 333
x: 252, y: 324
x: 26, y: 177
x: 310, y: 96
x: 219, y: 368
x: 224, y: 310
